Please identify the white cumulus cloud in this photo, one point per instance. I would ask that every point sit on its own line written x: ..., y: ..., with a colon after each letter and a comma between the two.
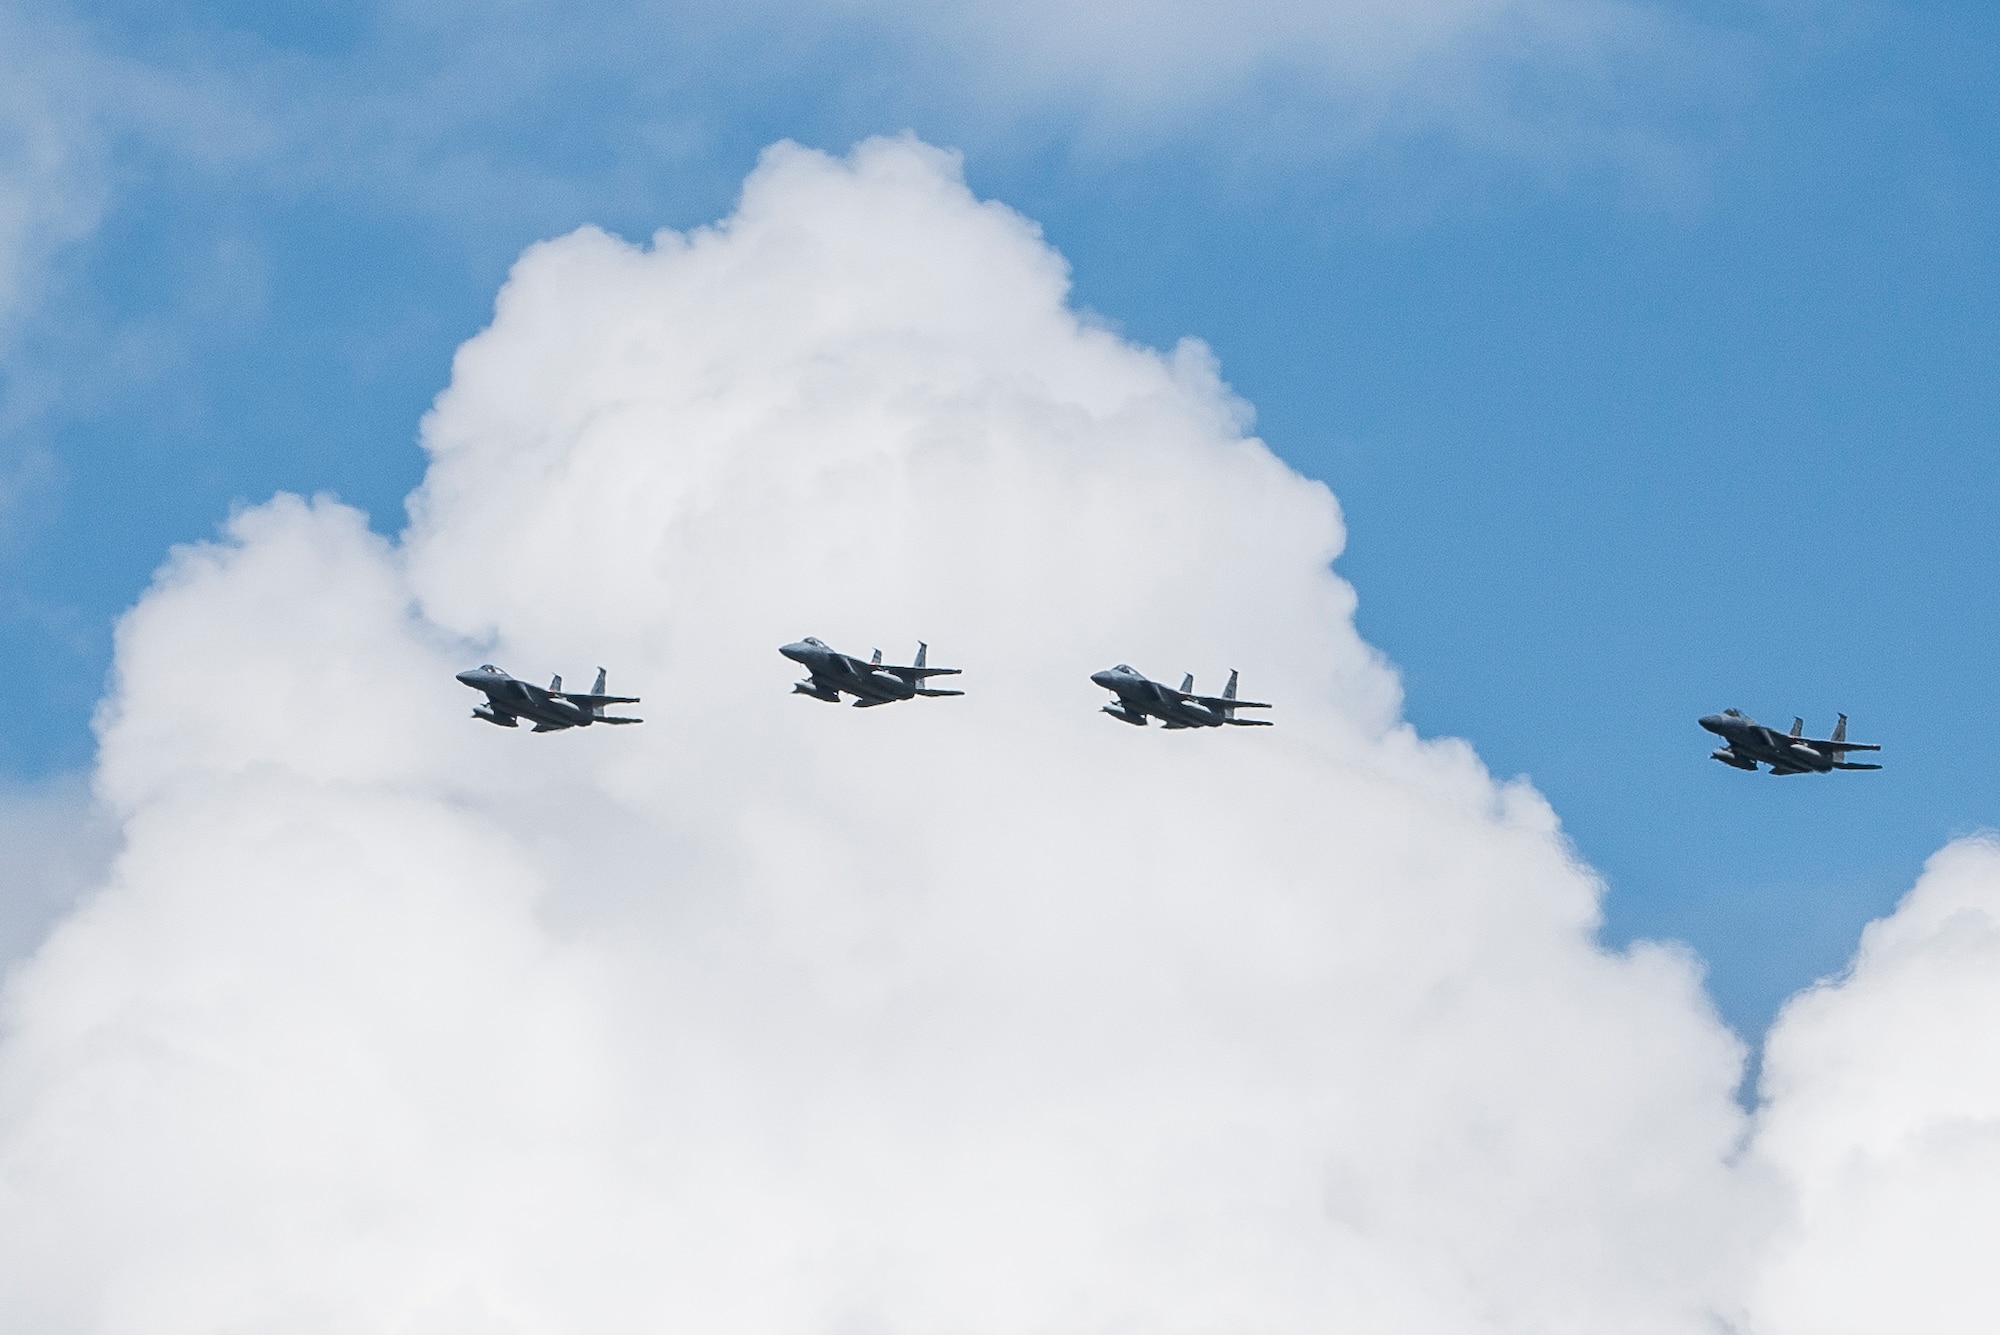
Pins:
x: 1884, y: 1120
x: 985, y: 1014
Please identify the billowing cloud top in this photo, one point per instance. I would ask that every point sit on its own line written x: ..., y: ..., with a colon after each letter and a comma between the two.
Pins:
x: 982, y: 1014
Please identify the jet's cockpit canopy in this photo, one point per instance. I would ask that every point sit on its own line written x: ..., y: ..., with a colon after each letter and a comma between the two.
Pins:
x: 1125, y: 668
x: 1733, y: 713
x: 488, y: 667
x: 815, y: 643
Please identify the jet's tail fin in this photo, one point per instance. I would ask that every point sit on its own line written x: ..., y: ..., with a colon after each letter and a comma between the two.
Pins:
x: 555, y: 684
x: 1798, y: 727
x: 595, y: 700
x: 876, y: 661
x: 922, y: 670
x: 1187, y: 684
x: 1841, y: 748
x: 1228, y: 703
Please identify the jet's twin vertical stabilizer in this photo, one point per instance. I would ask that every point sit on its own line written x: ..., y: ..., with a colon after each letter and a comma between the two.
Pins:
x: 1230, y: 704
x: 1842, y: 747
x: 921, y: 671
x: 595, y: 699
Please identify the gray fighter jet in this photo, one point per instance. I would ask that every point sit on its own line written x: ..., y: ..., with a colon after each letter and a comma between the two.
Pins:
x: 509, y: 700
x: 1746, y: 742
x: 871, y: 683
x: 1139, y: 697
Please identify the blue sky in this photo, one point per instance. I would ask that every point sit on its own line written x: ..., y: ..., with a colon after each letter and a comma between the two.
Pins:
x: 1655, y: 375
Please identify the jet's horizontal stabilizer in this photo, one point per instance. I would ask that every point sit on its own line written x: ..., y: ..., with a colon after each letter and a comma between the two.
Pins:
x: 1227, y: 703
x: 594, y: 698
x: 918, y: 670
x: 592, y: 702
x: 933, y: 690
x: 1847, y: 764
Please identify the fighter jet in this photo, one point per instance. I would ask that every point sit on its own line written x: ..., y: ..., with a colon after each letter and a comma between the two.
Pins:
x: 1139, y: 697
x: 871, y: 683
x: 1746, y: 742
x: 509, y: 700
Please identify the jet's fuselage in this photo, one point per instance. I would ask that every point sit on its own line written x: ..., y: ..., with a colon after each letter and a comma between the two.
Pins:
x: 509, y: 698
x: 835, y: 672
x: 1140, y: 696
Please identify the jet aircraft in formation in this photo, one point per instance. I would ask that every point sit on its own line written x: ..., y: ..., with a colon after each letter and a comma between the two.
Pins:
x: 1139, y: 697
x: 1746, y: 742
x: 1137, y: 700
x: 509, y: 700
x: 829, y: 672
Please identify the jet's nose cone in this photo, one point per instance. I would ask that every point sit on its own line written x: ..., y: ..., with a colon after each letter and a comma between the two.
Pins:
x: 796, y: 650
x: 469, y: 677
x: 1104, y: 678
x: 1715, y: 723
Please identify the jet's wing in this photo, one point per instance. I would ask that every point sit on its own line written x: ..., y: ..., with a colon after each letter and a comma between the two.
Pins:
x: 592, y: 701
x: 917, y: 673
x: 1831, y: 745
